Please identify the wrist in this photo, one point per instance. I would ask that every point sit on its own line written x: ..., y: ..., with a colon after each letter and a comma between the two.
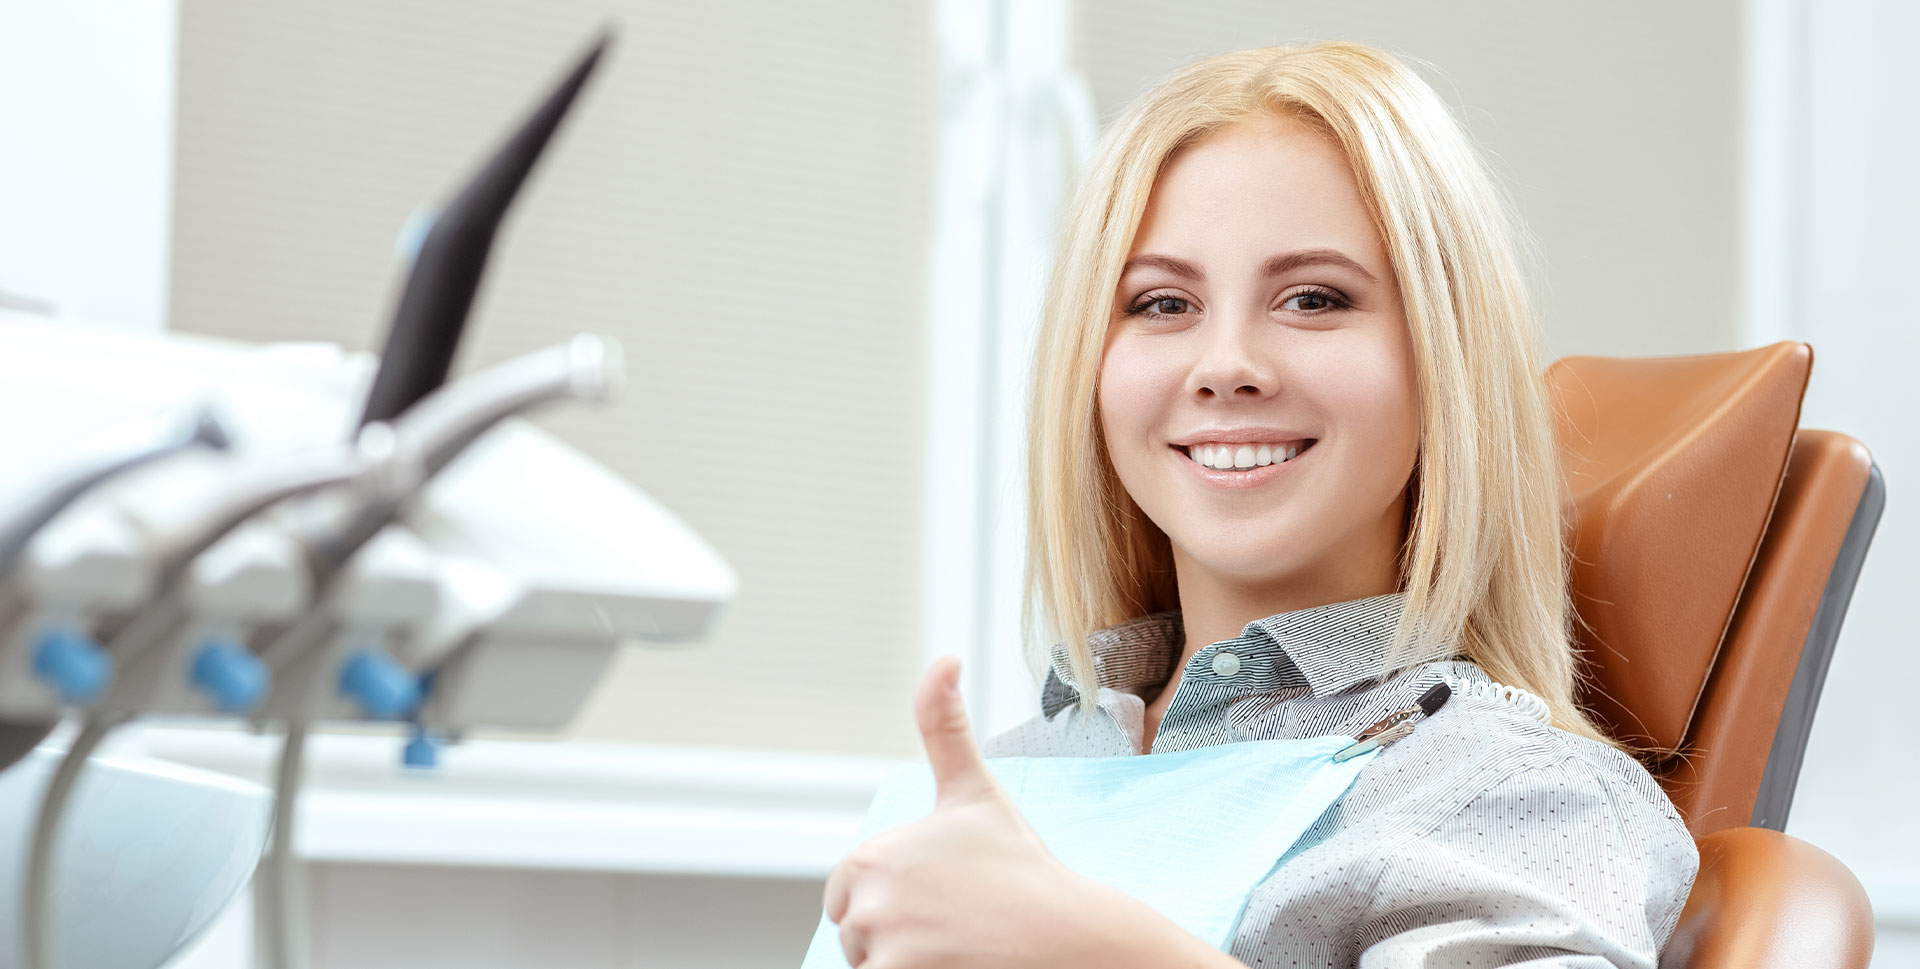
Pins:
x: 1123, y: 932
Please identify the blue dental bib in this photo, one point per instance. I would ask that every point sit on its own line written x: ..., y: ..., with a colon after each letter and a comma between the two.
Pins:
x: 1189, y: 833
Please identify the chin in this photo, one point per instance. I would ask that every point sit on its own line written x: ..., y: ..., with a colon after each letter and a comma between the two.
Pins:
x: 1229, y: 555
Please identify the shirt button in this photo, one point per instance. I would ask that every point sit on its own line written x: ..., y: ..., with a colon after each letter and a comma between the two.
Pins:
x: 1226, y: 664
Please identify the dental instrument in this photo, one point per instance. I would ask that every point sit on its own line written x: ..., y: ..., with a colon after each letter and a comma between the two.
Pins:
x: 435, y: 431
x: 65, y: 662
x: 421, y: 343
x: 261, y: 483
x: 446, y: 273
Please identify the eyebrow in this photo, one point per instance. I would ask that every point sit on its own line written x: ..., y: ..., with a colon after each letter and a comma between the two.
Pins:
x: 1273, y: 266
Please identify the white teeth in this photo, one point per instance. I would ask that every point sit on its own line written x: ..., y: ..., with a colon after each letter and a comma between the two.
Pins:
x: 1239, y: 457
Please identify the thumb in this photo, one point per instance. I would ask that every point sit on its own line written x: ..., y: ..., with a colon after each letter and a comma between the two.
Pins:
x: 959, y: 771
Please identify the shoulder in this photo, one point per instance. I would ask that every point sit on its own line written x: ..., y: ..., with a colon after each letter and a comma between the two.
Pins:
x: 1493, y: 796
x: 1477, y: 743
x: 1484, y: 750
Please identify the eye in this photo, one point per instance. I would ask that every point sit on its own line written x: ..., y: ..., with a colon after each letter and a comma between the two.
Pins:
x: 1318, y: 299
x: 1159, y: 306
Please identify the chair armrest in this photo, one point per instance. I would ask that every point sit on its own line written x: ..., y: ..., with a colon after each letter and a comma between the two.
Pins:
x: 1764, y: 899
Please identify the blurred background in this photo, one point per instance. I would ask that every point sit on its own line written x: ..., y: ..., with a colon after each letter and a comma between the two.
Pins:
x: 821, y: 230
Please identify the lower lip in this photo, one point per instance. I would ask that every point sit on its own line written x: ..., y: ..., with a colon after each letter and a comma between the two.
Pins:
x: 1251, y: 478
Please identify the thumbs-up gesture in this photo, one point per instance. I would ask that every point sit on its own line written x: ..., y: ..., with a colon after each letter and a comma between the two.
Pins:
x: 969, y: 885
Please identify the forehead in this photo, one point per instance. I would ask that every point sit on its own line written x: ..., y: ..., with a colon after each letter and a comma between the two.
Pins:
x: 1260, y: 187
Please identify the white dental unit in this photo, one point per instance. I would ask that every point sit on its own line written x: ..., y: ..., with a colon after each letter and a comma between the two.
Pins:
x: 284, y: 537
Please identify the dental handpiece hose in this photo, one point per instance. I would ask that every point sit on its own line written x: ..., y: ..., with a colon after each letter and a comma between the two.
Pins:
x: 18, y: 531
x: 282, y: 477
x: 425, y: 441
x: 443, y: 424
x: 262, y: 485
x: 432, y: 433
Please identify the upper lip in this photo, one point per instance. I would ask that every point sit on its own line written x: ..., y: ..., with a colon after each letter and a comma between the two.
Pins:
x: 1240, y: 435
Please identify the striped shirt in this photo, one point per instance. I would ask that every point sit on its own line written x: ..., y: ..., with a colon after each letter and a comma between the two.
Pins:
x: 1484, y: 838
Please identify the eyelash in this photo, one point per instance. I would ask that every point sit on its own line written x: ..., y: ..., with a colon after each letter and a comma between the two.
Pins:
x: 1140, y: 306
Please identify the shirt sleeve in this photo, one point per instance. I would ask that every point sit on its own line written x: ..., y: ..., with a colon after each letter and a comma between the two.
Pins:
x: 1561, y: 865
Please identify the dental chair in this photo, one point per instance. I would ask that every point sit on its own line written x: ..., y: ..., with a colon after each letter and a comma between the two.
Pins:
x: 1715, y: 547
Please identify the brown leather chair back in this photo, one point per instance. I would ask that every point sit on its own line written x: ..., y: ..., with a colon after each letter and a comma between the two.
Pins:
x: 1781, y: 639
x: 1715, y: 546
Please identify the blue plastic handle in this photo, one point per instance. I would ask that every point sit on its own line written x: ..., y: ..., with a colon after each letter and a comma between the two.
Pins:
x: 384, y: 689
x: 74, y: 666
x: 232, y: 676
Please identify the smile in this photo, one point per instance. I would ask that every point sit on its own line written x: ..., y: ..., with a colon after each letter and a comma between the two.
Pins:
x: 1227, y: 472
x: 1230, y: 457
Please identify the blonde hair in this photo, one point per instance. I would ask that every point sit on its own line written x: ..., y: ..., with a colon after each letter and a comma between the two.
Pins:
x: 1484, y: 567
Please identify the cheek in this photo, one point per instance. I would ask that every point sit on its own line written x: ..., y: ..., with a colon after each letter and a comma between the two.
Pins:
x: 1380, y: 393
x: 1135, y: 388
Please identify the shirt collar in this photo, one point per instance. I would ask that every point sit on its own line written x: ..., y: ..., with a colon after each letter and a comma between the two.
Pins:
x: 1325, y: 649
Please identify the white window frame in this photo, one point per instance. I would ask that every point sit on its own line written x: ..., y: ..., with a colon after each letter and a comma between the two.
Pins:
x: 1017, y: 124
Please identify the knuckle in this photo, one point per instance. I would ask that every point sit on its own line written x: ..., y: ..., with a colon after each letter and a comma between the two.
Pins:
x: 861, y: 918
x: 871, y: 913
x: 872, y: 853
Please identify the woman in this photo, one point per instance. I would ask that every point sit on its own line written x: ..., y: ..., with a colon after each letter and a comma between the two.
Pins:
x: 1291, y: 465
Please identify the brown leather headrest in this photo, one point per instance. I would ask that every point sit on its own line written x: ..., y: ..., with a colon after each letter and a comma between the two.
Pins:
x: 1672, y: 465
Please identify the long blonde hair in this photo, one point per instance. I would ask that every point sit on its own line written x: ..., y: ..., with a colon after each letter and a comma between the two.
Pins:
x: 1484, y: 566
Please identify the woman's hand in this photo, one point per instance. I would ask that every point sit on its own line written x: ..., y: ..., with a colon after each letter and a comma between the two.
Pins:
x: 970, y: 884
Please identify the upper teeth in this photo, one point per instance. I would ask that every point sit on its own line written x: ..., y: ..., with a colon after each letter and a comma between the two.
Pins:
x: 1226, y: 457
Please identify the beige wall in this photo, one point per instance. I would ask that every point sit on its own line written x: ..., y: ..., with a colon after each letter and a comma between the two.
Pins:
x: 1615, y: 125
x: 742, y: 197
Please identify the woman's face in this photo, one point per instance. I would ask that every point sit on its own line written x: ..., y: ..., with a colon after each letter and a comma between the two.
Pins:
x: 1258, y: 317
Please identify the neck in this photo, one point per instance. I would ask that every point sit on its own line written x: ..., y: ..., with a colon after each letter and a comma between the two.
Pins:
x: 1215, y: 606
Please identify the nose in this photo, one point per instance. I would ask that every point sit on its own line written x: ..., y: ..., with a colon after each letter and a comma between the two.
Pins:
x: 1231, y: 365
